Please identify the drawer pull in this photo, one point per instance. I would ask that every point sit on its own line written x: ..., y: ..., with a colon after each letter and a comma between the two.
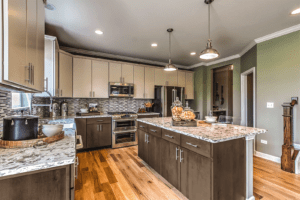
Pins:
x: 153, y: 130
x: 99, y: 120
x: 142, y: 126
x: 192, y: 144
x: 169, y: 136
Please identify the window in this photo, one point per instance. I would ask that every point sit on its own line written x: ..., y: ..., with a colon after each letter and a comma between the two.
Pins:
x: 20, y: 100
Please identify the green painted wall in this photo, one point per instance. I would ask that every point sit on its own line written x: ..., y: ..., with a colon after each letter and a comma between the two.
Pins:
x: 278, y: 79
x: 249, y: 59
x: 203, y: 91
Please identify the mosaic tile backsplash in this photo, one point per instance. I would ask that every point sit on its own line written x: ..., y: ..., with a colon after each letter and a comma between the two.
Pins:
x: 105, y: 105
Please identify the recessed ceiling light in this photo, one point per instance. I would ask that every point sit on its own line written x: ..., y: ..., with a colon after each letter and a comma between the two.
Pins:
x: 295, y: 12
x: 154, y: 45
x: 193, y: 53
x: 99, y: 32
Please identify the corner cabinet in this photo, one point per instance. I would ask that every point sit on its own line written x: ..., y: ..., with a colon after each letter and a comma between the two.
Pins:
x: 23, y: 39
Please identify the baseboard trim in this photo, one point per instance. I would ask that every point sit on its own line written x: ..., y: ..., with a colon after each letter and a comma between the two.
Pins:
x: 267, y: 157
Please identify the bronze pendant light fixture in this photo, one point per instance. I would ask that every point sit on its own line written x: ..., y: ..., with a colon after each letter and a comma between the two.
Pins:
x: 170, y: 66
x: 209, y: 52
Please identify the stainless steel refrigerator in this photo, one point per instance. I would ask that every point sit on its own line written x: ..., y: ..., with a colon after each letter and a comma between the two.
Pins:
x: 165, y: 96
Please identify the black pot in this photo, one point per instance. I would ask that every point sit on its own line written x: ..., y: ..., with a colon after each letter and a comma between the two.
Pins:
x: 20, y: 127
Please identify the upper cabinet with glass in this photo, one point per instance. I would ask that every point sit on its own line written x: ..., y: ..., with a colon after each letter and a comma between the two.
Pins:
x: 23, y: 44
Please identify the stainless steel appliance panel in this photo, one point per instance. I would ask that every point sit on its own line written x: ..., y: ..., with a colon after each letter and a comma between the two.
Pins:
x: 121, y: 89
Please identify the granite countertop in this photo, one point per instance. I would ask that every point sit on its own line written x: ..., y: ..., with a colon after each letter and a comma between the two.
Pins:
x: 21, y: 160
x: 213, y: 134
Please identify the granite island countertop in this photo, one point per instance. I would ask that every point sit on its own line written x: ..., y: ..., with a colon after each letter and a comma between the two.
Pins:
x: 22, y: 160
x: 213, y: 134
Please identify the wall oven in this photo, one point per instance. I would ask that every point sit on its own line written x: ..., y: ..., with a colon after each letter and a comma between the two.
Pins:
x: 124, y: 131
x: 121, y: 89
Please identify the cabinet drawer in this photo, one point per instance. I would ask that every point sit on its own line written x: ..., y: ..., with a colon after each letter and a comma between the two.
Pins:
x: 196, y: 145
x: 142, y: 126
x: 156, y: 131
x: 100, y: 120
x: 171, y: 136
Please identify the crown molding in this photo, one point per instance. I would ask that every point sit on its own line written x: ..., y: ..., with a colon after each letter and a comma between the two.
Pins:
x: 117, y: 57
x: 278, y: 34
x: 250, y: 45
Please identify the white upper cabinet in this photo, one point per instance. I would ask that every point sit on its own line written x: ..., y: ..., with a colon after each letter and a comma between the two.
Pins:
x: 189, y: 85
x: 65, y: 75
x: 23, y: 24
x: 160, y: 78
x: 115, y: 72
x: 82, y: 83
x: 139, y: 82
x: 127, y: 73
x: 181, y: 78
x: 149, y: 82
x: 171, y: 78
x: 99, y: 79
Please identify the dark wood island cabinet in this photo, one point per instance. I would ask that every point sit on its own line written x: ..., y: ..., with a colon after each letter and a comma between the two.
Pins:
x: 200, y: 170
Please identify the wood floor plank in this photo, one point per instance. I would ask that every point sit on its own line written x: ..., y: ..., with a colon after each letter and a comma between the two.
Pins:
x: 120, y: 174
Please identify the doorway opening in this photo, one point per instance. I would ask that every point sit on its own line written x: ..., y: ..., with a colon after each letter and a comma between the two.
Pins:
x: 248, y: 99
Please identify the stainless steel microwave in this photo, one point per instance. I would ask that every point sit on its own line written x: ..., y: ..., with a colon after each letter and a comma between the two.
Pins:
x: 121, y: 89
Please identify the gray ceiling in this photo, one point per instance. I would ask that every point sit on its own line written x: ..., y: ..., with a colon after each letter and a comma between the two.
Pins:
x: 130, y: 26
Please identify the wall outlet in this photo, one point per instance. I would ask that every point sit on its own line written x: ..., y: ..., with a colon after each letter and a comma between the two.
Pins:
x: 264, y: 141
x: 270, y: 105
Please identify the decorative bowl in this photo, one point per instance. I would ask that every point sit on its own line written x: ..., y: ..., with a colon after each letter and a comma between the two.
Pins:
x: 52, y: 129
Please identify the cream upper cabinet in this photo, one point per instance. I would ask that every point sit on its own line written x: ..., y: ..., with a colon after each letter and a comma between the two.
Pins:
x: 189, y: 85
x: 65, y: 75
x: 22, y: 28
x: 115, y: 72
x: 160, y: 78
x: 149, y: 82
x: 15, y: 30
x: 127, y: 73
x: 40, y: 62
x: 99, y: 79
x: 82, y: 84
x: 171, y: 78
x: 139, y: 82
x: 181, y: 78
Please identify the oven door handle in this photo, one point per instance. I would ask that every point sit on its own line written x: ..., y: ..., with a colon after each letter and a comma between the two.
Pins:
x: 127, y: 131
x: 123, y: 120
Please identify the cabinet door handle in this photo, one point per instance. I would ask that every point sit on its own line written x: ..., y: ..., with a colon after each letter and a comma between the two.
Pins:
x: 46, y: 89
x: 98, y: 127
x: 101, y: 127
x: 181, y: 157
x: 29, y: 74
x: 76, y: 167
x: 153, y: 130
x: 177, y: 153
x: 123, y: 80
x: 61, y: 93
x: 93, y: 94
x: 142, y: 126
x: 169, y: 136
x: 193, y: 145
x: 32, y: 66
x: 145, y: 137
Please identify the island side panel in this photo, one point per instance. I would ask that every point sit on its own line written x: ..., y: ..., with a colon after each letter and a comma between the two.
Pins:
x: 229, y: 170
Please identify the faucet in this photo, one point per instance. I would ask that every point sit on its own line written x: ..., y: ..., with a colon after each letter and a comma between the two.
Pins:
x: 50, y: 105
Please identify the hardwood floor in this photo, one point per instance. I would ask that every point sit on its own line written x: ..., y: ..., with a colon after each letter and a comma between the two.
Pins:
x: 113, y: 174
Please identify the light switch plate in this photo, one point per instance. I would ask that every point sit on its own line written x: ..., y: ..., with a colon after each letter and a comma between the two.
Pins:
x: 270, y: 105
x: 264, y: 141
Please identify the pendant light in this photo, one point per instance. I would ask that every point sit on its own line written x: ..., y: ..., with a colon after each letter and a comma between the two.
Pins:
x: 209, y: 52
x: 170, y: 66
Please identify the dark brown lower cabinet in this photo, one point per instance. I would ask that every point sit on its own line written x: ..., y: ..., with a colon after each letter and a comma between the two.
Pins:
x: 154, y: 149
x: 81, y: 129
x: 195, y: 175
x: 170, y: 163
x: 98, y: 135
x: 50, y: 184
x: 142, y: 145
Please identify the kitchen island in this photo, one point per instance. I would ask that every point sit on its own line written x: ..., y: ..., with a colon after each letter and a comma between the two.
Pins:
x: 205, y: 162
